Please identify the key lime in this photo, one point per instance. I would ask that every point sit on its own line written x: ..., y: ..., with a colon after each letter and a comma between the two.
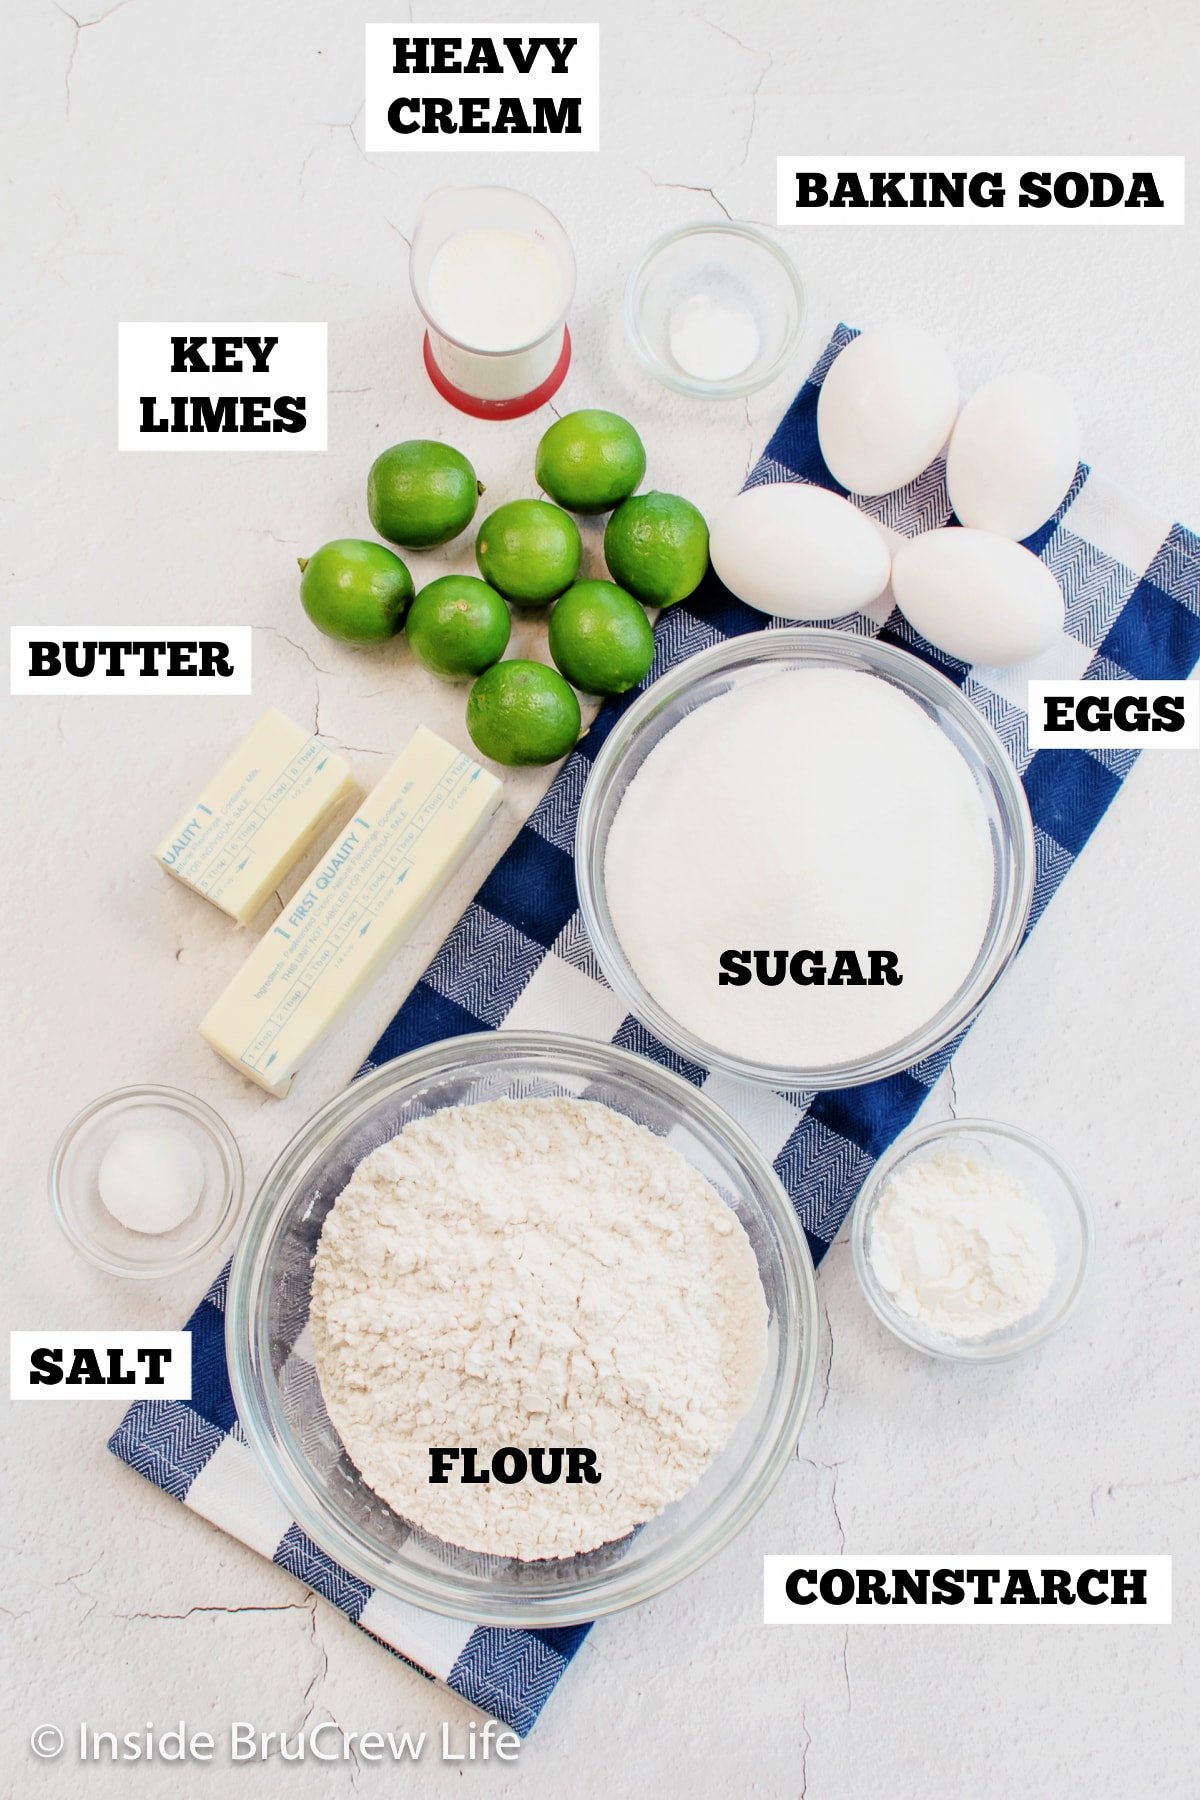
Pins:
x: 530, y: 550
x: 590, y: 461
x: 458, y: 626
x: 421, y: 493
x: 522, y: 712
x: 656, y: 545
x: 355, y: 590
x: 600, y: 638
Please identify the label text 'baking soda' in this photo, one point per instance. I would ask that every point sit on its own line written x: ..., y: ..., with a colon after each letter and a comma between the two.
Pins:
x: 929, y: 188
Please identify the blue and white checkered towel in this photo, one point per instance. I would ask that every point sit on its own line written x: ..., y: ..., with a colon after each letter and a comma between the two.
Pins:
x: 520, y: 957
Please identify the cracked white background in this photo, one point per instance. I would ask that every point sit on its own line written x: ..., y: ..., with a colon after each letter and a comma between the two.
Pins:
x: 203, y: 159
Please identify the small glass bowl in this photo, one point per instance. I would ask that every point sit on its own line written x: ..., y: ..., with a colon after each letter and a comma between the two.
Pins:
x: 736, y: 664
x: 279, y: 1401
x: 87, y: 1222
x: 1057, y: 1190
x: 733, y: 263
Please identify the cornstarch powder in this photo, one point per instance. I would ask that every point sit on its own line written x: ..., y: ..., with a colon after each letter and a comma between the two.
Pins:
x: 534, y: 1273
x: 962, y: 1244
x: 819, y: 810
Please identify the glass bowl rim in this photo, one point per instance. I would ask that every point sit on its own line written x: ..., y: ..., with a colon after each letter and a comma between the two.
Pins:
x: 245, y: 1322
x: 971, y: 1350
x: 735, y: 387
x: 178, y: 1100
x: 920, y: 681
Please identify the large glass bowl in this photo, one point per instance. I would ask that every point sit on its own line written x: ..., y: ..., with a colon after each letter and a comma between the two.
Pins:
x: 758, y: 656
x: 279, y: 1401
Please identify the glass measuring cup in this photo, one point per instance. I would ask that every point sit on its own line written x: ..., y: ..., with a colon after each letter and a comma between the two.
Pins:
x: 493, y: 274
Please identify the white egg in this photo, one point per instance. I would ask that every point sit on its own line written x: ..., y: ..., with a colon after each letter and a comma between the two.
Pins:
x: 977, y: 596
x: 1013, y: 454
x: 798, y: 552
x: 886, y: 408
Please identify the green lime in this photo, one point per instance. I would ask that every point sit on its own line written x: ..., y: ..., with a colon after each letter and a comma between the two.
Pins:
x: 590, y: 460
x: 600, y: 638
x: 522, y: 712
x: 530, y: 550
x: 458, y: 626
x: 656, y: 545
x: 421, y: 493
x: 355, y: 590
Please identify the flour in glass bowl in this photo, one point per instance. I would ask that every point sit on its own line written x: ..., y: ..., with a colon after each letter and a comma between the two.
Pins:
x: 816, y: 810
x: 534, y: 1273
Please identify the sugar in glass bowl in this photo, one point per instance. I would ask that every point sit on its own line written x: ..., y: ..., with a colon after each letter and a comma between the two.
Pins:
x: 758, y: 656
x: 279, y: 1402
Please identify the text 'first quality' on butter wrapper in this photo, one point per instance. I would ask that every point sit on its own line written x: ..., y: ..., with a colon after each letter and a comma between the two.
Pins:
x: 397, y: 853
x: 258, y: 815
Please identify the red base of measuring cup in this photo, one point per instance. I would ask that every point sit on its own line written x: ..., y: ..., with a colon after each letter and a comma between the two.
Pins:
x: 500, y: 409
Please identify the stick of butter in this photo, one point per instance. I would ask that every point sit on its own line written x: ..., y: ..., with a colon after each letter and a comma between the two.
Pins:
x: 332, y: 939
x: 258, y: 815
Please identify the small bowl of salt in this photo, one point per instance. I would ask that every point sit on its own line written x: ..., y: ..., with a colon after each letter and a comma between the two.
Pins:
x: 714, y: 310
x: 146, y: 1181
x: 971, y: 1240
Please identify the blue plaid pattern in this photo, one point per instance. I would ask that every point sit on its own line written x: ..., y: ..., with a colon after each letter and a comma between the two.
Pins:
x: 195, y: 1450
x: 519, y: 955
x: 1124, y: 619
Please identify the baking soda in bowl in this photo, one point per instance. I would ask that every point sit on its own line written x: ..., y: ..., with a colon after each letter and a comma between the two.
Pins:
x: 713, y: 339
x: 801, y: 871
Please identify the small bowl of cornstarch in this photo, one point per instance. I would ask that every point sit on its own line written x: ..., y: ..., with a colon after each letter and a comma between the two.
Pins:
x: 971, y: 1240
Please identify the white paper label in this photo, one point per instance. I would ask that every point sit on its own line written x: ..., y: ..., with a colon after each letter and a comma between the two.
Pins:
x: 95, y: 1365
x: 936, y: 188
x: 1108, y: 1588
x: 227, y: 386
x: 1114, y: 715
x: 125, y: 659
x: 482, y: 87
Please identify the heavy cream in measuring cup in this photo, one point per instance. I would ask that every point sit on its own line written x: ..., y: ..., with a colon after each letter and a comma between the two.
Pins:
x: 494, y: 289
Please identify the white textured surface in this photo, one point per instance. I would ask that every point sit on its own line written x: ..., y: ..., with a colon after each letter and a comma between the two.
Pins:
x: 204, y: 159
